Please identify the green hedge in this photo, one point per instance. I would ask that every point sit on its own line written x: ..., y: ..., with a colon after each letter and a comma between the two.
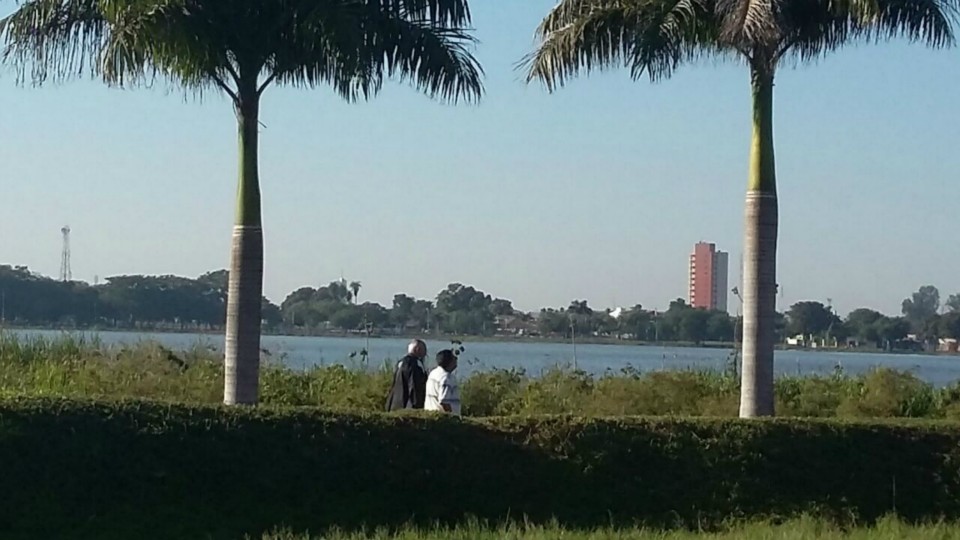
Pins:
x: 149, y: 470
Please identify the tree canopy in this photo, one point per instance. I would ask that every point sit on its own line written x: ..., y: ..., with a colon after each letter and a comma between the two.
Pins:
x: 922, y: 305
x: 243, y: 46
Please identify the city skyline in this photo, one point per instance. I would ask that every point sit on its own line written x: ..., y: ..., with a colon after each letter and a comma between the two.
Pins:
x: 594, y: 192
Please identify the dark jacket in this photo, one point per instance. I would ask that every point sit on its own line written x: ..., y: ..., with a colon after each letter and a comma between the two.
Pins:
x: 409, y: 385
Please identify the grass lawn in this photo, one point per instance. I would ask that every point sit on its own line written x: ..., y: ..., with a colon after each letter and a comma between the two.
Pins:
x: 799, y: 529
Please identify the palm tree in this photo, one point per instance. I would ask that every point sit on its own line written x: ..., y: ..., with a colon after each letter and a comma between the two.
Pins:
x: 355, y: 287
x: 240, y: 48
x: 654, y: 37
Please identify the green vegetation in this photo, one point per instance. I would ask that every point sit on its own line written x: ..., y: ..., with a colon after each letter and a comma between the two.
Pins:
x: 77, y: 368
x: 138, y: 469
x: 655, y: 37
x: 882, y: 393
x: 73, y: 367
x: 798, y: 529
x: 200, y: 46
x: 88, y: 469
x: 169, y: 302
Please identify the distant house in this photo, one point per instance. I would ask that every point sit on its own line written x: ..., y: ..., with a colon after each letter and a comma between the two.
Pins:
x: 812, y: 342
x: 910, y: 345
x: 947, y: 345
x: 798, y: 340
x: 854, y: 342
x: 517, y: 325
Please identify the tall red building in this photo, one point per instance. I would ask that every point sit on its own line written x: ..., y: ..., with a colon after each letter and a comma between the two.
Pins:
x: 708, y: 277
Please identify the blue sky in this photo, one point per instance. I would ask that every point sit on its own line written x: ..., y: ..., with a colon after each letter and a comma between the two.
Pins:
x: 598, y: 191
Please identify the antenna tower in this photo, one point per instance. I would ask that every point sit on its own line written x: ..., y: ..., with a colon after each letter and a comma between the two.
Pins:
x: 65, y: 273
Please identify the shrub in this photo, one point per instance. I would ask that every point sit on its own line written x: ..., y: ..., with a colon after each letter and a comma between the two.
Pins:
x: 813, y: 396
x: 153, y: 470
x: 888, y: 393
x: 675, y: 393
x: 492, y: 393
x: 557, y: 391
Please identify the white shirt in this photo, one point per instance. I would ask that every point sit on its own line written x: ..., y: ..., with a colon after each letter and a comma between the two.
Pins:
x: 442, y: 387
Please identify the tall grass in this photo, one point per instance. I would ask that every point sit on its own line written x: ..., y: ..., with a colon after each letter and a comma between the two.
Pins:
x: 798, y: 529
x: 79, y: 367
x: 75, y: 366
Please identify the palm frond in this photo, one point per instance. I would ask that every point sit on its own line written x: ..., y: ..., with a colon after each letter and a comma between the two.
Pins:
x: 194, y: 43
x: 58, y: 38
x: 348, y: 44
x: 927, y: 21
x: 354, y: 44
x: 749, y: 24
x: 319, y: 43
x: 434, y: 58
x: 649, y: 36
x: 815, y: 27
x: 448, y: 13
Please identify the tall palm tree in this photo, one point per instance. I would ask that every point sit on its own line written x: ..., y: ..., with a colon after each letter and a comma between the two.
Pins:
x: 240, y: 48
x: 355, y: 287
x: 654, y: 37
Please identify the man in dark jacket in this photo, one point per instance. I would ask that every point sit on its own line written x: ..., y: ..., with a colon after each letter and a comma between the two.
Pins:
x: 409, y: 380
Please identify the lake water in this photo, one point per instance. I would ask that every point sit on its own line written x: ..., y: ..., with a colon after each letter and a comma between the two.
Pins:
x: 535, y: 356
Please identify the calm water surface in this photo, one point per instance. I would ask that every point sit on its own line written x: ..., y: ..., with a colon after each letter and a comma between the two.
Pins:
x: 534, y: 357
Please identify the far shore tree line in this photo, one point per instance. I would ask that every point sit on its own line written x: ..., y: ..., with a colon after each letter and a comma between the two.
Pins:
x: 141, y: 302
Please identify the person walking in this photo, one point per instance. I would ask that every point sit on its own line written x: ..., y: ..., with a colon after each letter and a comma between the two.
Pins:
x: 443, y: 391
x: 409, y: 379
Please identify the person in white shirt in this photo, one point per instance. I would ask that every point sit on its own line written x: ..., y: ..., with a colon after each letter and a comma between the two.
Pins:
x: 443, y: 392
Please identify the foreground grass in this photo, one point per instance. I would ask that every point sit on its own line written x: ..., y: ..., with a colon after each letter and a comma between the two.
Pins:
x: 75, y: 367
x: 799, y: 529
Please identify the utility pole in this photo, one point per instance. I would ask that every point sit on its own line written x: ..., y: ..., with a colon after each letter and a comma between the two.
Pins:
x: 366, y: 346
x: 65, y: 272
x: 573, y: 340
x: 830, y: 326
x: 738, y: 324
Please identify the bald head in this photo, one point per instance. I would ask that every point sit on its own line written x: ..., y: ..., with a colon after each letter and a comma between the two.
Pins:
x: 417, y: 348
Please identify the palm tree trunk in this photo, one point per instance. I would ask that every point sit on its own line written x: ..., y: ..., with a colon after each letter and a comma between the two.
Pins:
x: 242, y: 349
x: 760, y: 257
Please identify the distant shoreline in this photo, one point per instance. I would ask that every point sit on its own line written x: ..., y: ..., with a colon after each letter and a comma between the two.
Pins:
x: 591, y: 340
